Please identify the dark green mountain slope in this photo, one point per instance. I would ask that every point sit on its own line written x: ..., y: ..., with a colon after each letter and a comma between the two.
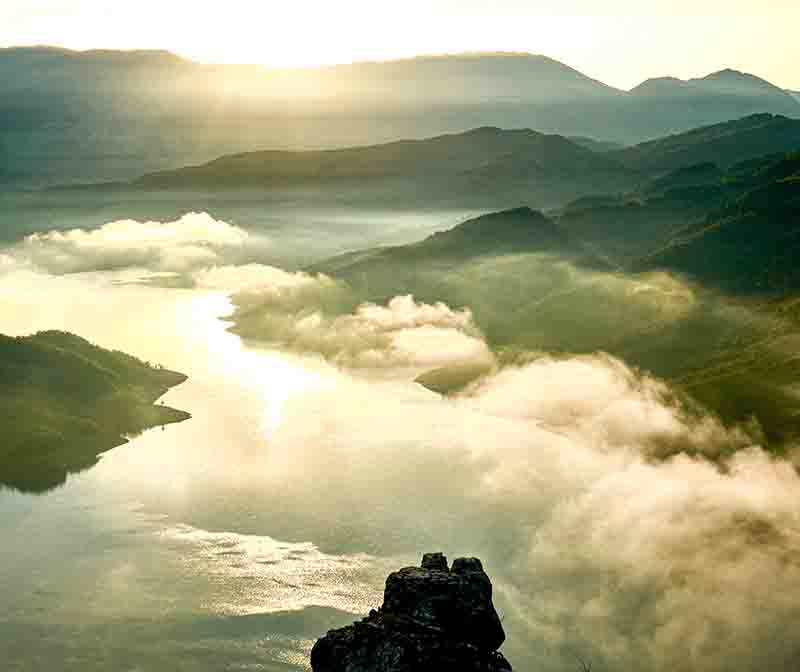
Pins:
x: 64, y: 400
x: 516, y: 231
x: 496, y: 264
x: 482, y: 163
x: 624, y: 228
x: 751, y: 245
x: 723, y: 144
x: 534, y: 284
x: 664, y: 213
x: 487, y: 167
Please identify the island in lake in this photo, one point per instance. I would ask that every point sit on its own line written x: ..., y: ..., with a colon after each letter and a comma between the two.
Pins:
x: 63, y: 401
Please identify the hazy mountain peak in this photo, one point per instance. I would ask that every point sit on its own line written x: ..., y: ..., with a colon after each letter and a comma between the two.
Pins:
x: 735, y: 82
x: 109, y: 56
x: 498, y: 224
x: 730, y: 73
x: 662, y: 86
x: 727, y: 81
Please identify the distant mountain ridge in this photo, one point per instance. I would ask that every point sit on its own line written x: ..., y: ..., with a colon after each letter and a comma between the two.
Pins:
x: 724, y: 144
x: 489, y: 166
x: 485, y: 160
x: 728, y: 81
x: 515, y: 231
x: 84, y: 116
x: 592, y: 278
x: 750, y: 244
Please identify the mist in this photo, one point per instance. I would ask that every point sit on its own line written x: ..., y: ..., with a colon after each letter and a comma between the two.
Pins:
x: 269, y: 334
x: 620, y: 520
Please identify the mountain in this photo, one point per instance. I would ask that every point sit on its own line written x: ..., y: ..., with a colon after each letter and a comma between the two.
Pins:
x: 674, y: 105
x: 462, y: 78
x: 516, y: 231
x: 687, y: 177
x: 727, y: 86
x: 751, y: 244
x: 103, y: 115
x: 485, y: 163
x: 623, y: 228
x: 689, y: 278
x: 495, y: 264
x: 490, y: 167
x: 663, y: 213
x: 723, y: 144
x: 795, y: 94
x: 64, y: 400
x: 484, y: 148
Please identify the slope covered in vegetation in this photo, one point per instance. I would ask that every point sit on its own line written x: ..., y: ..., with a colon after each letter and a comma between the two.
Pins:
x: 64, y: 400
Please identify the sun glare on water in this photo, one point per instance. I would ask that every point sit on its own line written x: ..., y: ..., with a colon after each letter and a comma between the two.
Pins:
x: 278, y: 377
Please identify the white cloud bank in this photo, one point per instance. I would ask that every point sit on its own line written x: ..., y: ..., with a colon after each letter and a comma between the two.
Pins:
x: 582, y: 483
x: 195, y: 240
x: 547, y: 471
x: 316, y: 314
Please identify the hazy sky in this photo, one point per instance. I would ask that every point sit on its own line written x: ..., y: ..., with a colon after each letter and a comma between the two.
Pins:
x: 618, y: 41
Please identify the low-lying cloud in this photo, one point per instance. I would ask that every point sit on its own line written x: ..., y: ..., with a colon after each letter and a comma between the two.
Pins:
x: 195, y: 240
x: 634, y: 412
x: 318, y: 315
x: 619, y: 521
x: 547, y: 471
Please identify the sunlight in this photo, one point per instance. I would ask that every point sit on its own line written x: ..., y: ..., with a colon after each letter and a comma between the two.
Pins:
x: 277, y: 377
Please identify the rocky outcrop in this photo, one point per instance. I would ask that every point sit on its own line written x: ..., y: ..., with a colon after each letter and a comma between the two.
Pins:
x: 433, y: 618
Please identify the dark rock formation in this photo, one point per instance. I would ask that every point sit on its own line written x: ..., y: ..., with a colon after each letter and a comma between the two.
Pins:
x: 432, y: 619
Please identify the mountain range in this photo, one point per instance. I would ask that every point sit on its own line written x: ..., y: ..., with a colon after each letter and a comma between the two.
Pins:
x: 735, y: 230
x: 106, y: 115
x: 487, y: 165
x: 722, y: 323
x: 491, y: 167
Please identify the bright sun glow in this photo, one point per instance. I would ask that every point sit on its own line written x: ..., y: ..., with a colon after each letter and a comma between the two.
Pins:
x: 277, y: 377
x: 621, y: 42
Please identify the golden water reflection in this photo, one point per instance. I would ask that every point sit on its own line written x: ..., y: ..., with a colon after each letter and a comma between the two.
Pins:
x: 277, y: 376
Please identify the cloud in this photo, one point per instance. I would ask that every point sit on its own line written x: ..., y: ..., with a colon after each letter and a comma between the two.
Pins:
x: 547, y: 471
x: 253, y: 279
x: 620, y: 520
x: 7, y: 263
x: 196, y: 240
x: 584, y: 484
x: 634, y: 411
x: 316, y: 314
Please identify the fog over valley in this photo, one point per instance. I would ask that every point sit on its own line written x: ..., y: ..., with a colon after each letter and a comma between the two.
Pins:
x: 269, y: 335
x: 588, y: 486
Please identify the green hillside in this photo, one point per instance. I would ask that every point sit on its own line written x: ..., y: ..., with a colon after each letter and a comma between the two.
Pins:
x: 64, y: 400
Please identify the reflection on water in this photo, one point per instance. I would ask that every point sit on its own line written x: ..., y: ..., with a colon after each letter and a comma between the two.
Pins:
x: 276, y: 376
x: 232, y: 540
x: 107, y: 572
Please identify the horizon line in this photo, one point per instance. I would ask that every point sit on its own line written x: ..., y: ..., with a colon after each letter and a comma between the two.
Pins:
x: 366, y: 62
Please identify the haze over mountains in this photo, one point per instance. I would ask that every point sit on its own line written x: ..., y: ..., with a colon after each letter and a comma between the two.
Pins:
x: 692, y: 280
x: 481, y: 300
x: 484, y: 165
x: 100, y: 115
x: 488, y: 167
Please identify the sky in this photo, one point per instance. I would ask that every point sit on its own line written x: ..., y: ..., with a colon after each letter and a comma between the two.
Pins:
x: 620, y: 42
